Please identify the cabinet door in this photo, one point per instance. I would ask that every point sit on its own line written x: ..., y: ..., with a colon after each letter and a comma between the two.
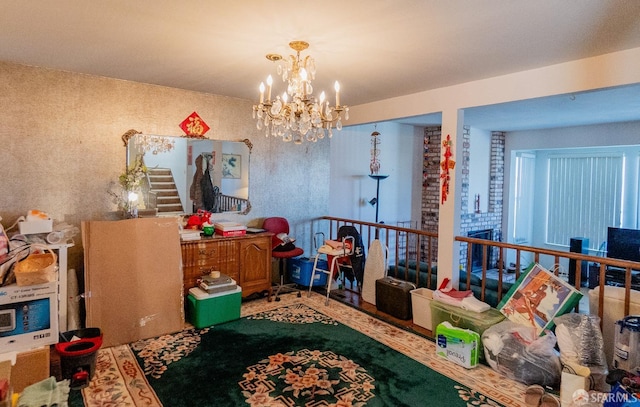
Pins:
x: 203, y: 257
x: 255, y: 265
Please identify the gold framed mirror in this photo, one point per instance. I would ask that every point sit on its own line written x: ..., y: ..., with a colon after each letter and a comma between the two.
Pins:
x: 185, y: 174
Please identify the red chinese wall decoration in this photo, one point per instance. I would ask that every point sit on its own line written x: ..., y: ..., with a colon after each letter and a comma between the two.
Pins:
x: 194, y: 126
x: 447, y: 165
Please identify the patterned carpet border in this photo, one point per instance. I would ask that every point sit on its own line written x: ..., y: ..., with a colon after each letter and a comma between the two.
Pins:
x: 119, y: 380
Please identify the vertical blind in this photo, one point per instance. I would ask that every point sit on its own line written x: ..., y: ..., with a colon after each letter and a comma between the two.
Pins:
x: 523, y: 198
x: 585, y: 197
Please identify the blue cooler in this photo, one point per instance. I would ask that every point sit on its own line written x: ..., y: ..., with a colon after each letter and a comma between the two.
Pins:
x: 300, y: 270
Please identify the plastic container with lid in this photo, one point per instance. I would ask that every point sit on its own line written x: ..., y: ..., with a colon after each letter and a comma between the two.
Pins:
x: 461, y: 318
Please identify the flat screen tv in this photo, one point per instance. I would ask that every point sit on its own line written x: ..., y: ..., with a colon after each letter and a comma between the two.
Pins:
x: 623, y: 244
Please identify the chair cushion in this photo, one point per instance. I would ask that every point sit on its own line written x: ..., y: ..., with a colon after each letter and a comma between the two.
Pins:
x: 288, y: 254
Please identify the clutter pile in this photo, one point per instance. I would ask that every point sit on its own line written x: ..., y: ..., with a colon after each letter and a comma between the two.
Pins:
x: 25, y: 256
x: 538, y: 340
x: 29, y: 290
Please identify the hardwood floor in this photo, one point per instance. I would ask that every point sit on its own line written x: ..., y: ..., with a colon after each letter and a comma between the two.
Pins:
x: 352, y: 297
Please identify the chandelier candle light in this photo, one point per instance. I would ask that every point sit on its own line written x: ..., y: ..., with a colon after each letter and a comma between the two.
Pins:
x: 303, y: 116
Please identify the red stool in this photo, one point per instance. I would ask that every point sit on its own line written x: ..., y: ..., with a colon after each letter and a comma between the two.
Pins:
x: 278, y: 225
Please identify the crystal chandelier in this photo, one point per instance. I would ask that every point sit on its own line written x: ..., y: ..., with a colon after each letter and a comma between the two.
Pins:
x: 297, y: 114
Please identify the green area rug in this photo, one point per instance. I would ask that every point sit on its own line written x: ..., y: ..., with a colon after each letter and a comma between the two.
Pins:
x: 297, y: 352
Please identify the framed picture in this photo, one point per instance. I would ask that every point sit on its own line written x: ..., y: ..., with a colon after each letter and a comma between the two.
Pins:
x: 231, y: 166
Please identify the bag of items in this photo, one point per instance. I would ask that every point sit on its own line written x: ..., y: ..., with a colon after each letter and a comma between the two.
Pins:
x: 584, y: 365
x: 518, y: 352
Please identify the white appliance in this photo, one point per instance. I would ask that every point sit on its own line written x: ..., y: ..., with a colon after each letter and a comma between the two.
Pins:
x: 626, y: 355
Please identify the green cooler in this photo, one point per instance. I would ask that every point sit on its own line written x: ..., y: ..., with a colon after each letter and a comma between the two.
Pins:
x: 204, y: 309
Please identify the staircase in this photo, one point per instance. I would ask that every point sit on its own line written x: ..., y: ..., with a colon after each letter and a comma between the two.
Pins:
x: 163, y: 186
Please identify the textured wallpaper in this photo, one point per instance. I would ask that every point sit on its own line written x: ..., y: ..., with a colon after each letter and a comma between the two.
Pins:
x: 60, y: 147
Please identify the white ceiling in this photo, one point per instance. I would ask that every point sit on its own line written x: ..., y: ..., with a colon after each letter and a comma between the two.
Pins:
x: 377, y: 49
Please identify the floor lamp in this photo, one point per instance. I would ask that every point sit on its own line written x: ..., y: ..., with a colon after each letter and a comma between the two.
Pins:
x: 375, y: 201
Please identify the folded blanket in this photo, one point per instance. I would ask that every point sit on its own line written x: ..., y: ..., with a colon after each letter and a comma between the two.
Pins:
x: 445, y: 288
x: 461, y: 299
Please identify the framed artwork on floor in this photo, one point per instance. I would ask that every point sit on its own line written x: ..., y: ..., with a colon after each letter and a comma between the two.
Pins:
x: 537, y: 298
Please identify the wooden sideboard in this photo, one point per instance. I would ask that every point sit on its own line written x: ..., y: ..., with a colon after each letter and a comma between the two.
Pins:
x: 246, y: 259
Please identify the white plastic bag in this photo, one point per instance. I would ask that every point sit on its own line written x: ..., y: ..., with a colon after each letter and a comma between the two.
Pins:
x: 518, y: 352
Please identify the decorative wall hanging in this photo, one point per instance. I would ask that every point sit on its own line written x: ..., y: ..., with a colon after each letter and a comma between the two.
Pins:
x: 231, y: 166
x: 194, y: 126
x: 447, y: 165
x: 374, y: 166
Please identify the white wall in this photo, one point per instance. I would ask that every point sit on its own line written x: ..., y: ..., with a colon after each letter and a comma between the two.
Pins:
x: 352, y: 188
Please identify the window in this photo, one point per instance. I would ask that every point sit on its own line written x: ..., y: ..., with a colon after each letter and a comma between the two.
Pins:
x: 585, y: 196
x: 523, y: 198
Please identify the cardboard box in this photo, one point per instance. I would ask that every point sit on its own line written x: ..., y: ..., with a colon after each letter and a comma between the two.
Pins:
x: 457, y: 345
x: 5, y: 379
x: 31, y: 367
x: 28, y: 316
x: 133, y: 278
x: 211, y: 309
x: 300, y: 270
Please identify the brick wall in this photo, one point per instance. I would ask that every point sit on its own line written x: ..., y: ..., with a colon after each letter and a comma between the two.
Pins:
x: 470, y: 221
x: 431, y: 184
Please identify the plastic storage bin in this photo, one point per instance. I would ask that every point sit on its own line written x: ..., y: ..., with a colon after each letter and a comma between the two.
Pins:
x: 458, y: 317
x: 421, y: 306
x: 211, y: 309
x: 77, y: 350
x: 301, y: 268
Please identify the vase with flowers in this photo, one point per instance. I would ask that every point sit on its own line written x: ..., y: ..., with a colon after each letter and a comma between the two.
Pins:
x: 128, y: 188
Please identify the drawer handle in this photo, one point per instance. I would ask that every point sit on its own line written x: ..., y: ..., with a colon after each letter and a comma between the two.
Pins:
x: 205, y: 252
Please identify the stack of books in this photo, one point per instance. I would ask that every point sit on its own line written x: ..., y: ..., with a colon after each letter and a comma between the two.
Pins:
x: 227, y: 228
x: 213, y: 285
x: 189, y: 234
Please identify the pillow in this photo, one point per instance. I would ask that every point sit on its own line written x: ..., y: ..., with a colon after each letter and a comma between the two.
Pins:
x: 537, y: 297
